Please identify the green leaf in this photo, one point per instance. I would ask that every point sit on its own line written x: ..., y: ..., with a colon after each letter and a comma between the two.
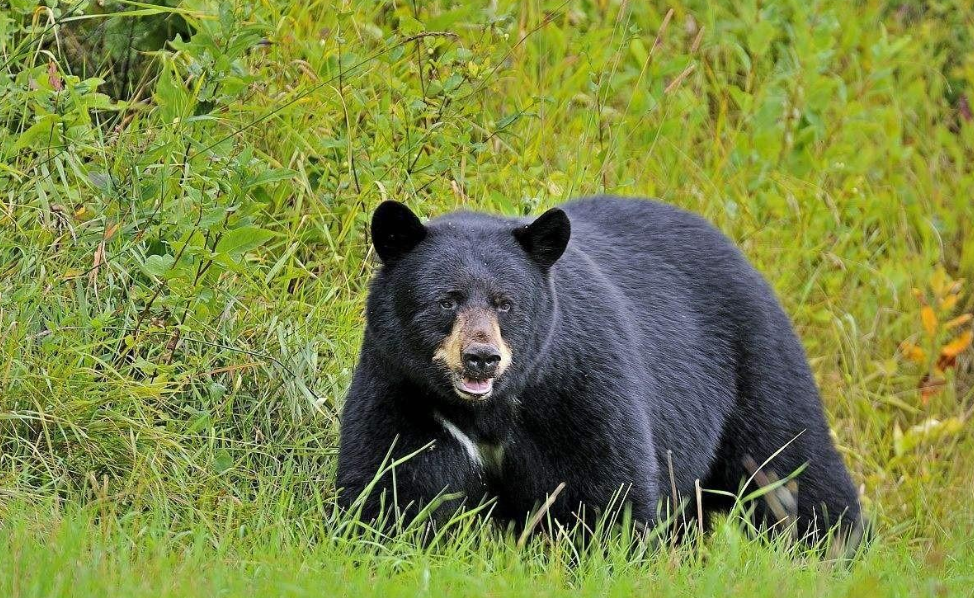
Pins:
x: 239, y: 241
x: 272, y: 176
x: 41, y: 134
x: 452, y: 83
x: 410, y: 26
x: 212, y: 216
x: 158, y: 265
x: 760, y: 36
x: 222, y: 461
x: 638, y: 51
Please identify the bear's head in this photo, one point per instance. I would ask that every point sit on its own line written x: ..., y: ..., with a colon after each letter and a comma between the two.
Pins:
x: 464, y: 306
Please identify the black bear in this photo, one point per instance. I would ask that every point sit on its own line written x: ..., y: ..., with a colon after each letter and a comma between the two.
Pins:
x: 622, y: 347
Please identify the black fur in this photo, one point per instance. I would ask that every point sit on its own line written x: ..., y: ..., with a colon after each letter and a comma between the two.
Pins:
x: 650, y: 335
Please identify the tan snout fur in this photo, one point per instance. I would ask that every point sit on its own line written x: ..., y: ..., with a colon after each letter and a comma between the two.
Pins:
x: 472, y: 326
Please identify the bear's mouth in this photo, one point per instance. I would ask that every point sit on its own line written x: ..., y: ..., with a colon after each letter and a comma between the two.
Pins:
x: 473, y: 388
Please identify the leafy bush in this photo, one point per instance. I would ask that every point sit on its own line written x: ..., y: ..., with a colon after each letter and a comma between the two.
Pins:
x: 183, y: 254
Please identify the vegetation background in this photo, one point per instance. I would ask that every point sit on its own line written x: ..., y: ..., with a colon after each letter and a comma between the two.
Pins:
x: 184, y: 193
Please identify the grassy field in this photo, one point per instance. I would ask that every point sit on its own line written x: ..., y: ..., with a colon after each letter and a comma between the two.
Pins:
x: 184, y: 257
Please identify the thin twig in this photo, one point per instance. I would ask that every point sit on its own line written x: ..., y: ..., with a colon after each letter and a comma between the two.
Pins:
x: 699, y: 507
x: 537, y: 516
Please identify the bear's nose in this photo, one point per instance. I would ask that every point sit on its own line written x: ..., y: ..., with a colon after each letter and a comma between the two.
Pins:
x: 481, y: 360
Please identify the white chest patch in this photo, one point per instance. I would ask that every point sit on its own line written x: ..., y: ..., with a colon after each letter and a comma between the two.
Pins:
x: 489, y: 456
x: 469, y: 445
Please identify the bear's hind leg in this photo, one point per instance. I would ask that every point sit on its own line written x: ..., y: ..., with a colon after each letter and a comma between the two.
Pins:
x: 778, y: 438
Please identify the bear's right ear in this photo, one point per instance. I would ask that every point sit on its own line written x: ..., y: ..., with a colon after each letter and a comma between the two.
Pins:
x: 395, y: 231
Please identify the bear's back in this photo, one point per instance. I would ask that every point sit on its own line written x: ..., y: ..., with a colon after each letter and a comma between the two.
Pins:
x: 656, y: 252
x: 635, y: 229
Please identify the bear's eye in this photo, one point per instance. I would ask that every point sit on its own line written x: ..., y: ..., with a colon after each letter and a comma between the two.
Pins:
x: 503, y: 305
x: 449, y: 304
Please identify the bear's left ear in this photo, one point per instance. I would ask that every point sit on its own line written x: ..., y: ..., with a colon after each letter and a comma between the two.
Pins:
x: 545, y: 239
x: 395, y: 231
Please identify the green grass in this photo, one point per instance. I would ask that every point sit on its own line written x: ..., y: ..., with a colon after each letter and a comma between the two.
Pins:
x: 183, y: 265
x: 79, y: 554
